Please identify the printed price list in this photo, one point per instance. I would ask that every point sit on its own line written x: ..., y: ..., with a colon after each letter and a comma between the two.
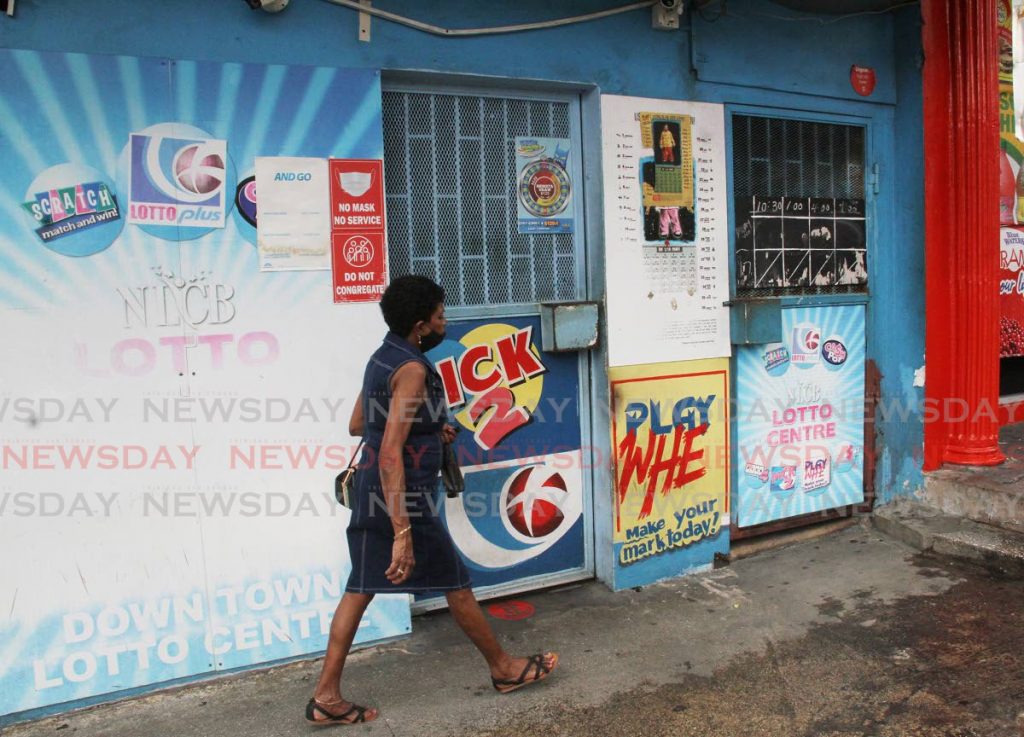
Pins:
x: 708, y: 257
x: 626, y: 177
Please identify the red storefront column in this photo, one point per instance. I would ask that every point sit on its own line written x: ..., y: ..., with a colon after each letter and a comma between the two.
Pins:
x: 961, y: 139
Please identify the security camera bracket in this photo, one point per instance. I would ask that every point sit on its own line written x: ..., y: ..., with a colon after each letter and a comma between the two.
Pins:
x: 665, y: 14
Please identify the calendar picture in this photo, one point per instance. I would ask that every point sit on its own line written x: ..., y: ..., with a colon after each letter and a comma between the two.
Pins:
x: 667, y: 178
x: 807, y: 243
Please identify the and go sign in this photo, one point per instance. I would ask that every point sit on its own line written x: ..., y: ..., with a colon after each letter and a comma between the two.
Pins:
x: 358, y: 235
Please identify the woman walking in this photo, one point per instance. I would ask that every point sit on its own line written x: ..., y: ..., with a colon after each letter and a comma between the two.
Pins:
x: 396, y: 542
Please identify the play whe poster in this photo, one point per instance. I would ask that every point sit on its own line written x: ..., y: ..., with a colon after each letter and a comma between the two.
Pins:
x: 670, y: 433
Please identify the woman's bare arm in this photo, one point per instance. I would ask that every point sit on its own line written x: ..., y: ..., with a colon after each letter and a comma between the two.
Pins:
x: 408, y: 390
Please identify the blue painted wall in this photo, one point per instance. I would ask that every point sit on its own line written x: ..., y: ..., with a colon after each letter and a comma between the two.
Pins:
x: 759, y: 54
x: 620, y: 54
x: 898, y: 281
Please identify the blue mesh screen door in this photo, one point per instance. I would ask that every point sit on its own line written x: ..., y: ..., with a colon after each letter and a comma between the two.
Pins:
x: 460, y: 170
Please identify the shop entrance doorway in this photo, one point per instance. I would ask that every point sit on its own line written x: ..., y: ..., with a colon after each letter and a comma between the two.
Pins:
x: 802, y: 213
x: 484, y: 195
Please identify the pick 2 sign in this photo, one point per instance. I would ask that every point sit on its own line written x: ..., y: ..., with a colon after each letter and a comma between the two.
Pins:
x: 493, y: 379
x: 520, y: 513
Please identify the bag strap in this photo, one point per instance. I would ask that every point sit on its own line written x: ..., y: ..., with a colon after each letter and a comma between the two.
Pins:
x: 355, y: 455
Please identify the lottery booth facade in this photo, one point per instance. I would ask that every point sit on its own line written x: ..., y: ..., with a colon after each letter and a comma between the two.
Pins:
x: 667, y: 252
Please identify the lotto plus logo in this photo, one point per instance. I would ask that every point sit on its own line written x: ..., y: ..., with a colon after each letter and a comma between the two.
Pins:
x: 177, y: 181
x: 805, y: 344
x: 199, y: 169
x: 511, y: 514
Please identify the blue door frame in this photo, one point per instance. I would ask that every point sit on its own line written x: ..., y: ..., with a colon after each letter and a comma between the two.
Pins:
x: 522, y: 575
x: 877, y: 122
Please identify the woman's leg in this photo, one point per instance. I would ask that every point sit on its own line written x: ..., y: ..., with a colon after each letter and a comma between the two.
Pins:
x: 673, y: 218
x: 343, y: 631
x: 470, y: 618
x: 663, y: 221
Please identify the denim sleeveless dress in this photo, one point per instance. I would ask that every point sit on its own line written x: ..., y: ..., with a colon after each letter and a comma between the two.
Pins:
x: 370, y: 534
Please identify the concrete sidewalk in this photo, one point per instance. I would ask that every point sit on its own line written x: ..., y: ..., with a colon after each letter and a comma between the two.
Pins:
x: 850, y: 634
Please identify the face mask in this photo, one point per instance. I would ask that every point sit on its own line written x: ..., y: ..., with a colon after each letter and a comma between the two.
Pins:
x: 431, y: 340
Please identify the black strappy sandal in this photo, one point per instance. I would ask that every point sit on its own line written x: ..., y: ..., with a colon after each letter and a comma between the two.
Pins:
x: 535, y: 662
x: 313, y: 707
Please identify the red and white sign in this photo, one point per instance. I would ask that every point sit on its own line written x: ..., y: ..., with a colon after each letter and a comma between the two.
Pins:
x: 358, y: 229
x: 357, y: 195
x: 359, y: 266
x: 863, y: 80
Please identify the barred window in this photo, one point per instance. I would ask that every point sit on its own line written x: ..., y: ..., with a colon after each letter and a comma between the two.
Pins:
x: 799, y: 207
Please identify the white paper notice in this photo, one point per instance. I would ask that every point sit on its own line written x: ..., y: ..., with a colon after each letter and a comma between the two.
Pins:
x: 293, y: 222
x: 666, y: 237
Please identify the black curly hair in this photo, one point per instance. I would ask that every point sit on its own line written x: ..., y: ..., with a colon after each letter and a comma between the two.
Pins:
x: 409, y: 299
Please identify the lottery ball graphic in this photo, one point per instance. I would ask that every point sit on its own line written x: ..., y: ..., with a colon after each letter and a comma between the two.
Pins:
x: 536, y: 495
x: 198, y: 171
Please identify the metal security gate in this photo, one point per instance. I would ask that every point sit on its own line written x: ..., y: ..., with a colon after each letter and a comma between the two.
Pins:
x: 455, y: 186
x: 451, y: 197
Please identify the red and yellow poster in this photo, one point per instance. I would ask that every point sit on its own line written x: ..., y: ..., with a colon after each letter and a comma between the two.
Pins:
x: 670, y: 428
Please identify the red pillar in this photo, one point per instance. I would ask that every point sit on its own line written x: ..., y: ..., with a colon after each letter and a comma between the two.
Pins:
x: 961, y: 139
